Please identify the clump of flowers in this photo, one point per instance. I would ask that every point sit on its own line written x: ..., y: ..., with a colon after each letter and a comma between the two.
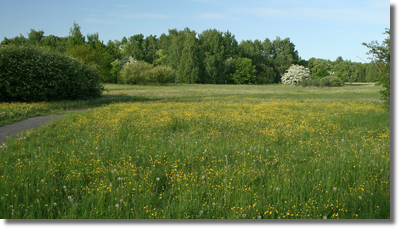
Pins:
x: 295, y: 74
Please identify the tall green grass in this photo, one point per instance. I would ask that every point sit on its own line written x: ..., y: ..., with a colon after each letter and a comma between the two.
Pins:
x: 232, y: 152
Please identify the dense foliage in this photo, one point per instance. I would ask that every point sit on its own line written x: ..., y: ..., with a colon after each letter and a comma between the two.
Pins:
x: 204, y: 57
x: 141, y: 72
x: 36, y: 74
x: 243, y: 72
x: 381, y: 56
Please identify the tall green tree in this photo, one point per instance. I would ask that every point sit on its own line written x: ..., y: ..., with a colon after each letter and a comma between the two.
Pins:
x: 134, y: 47
x: 261, y: 55
x: 346, y: 71
x: 93, y: 40
x: 150, y: 48
x: 381, y: 56
x: 18, y: 40
x: 75, y: 36
x: 337, y: 61
x: 319, y: 68
x: 361, y: 68
x: 268, y: 73
x: 92, y: 56
x: 372, y: 72
x: 35, y: 37
x: 243, y: 71
x: 285, y: 55
x: 230, y: 45
x: 174, y: 50
x: 162, y: 53
x: 213, y: 50
x: 114, y: 49
x: 188, y: 71
x: 55, y: 43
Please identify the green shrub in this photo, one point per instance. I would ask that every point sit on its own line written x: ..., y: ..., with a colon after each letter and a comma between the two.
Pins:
x: 335, y: 81
x: 136, y: 72
x: 36, y: 74
x: 316, y: 83
x: 304, y: 83
x: 161, y: 74
x: 140, y: 72
x: 325, y: 82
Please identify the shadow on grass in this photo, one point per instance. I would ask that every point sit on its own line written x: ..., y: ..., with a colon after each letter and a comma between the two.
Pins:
x: 356, y: 84
x: 59, y: 107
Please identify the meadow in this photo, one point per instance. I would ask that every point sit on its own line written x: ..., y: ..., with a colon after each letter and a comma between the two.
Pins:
x: 204, y: 152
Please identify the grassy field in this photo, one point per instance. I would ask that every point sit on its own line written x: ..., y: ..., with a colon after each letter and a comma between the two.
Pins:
x: 204, y: 151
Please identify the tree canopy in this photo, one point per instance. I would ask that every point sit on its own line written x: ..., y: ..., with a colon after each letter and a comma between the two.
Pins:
x: 209, y: 57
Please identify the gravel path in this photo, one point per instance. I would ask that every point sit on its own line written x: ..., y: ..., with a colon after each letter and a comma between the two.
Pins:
x: 30, y: 123
x: 36, y: 122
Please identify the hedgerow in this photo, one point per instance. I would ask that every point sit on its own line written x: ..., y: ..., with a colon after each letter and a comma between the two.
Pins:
x: 30, y: 73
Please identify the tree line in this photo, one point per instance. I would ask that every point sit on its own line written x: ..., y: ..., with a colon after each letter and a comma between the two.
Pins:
x: 210, y: 57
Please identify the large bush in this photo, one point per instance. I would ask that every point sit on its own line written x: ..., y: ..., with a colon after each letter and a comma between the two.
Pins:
x: 334, y: 81
x: 140, y: 72
x: 136, y: 72
x: 36, y: 74
x: 328, y: 81
x: 162, y: 74
x: 243, y: 71
x: 295, y: 74
x: 117, y: 65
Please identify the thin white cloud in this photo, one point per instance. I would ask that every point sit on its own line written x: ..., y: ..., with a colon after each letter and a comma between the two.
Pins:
x: 140, y: 15
x: 215, y: 16
x: 98, y: 21
x: 340, y: 15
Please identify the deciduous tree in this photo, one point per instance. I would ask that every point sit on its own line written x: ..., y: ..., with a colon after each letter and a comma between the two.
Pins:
x: 188, y: 71
x: 381, y: 56
x: 243, y: 71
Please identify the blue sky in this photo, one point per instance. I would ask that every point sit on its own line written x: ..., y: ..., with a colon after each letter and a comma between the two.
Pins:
x: 318, y: 28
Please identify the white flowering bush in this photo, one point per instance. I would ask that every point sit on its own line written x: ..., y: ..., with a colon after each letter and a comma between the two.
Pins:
x: 35, y: 74
x: 295, y: 74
